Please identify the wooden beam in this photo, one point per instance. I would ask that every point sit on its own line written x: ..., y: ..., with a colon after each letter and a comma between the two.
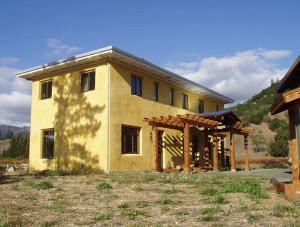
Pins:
x: 232, y: 152
x: 293, y: 145
x: 186, y: 148
x: 222, y: 153
x: 215, y: 153
x: 155, y: 149
x: 247, y: 166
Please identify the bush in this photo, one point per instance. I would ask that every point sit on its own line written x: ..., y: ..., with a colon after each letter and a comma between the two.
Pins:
x: 103, y: 186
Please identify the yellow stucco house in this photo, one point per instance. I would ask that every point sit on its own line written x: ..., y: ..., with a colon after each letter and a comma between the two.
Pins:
x: 89, y: 110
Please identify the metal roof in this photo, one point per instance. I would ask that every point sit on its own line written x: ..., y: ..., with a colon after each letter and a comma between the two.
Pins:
x: 117, y: 55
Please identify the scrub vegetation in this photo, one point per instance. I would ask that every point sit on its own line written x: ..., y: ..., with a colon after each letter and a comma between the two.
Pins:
x: 143, y: 199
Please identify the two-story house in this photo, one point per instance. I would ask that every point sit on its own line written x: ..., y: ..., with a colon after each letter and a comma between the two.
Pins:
x: 89, y: 110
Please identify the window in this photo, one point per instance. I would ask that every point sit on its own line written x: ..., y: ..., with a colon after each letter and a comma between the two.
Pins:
x: 46, y: 90
x: 217, y: 108
x: 88, y: 81
x: 48, y: 144
x: 171, y: 96
x: 130, y: 140
x: 136, y: 86
x: 155, y: 92
x: 200, y: 106
x: 185, y: 101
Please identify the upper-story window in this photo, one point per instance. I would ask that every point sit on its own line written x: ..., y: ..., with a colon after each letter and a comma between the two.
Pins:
x: 171, y: 96
x: 155, y: 97
x: 185, y: 101
x: 200, y: 106
x: 88, y: 81
x: 136, y: 85
x: 46, y: 90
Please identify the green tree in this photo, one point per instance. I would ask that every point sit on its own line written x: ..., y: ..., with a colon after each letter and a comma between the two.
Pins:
x: 259, y: 142
x: 279, y: 147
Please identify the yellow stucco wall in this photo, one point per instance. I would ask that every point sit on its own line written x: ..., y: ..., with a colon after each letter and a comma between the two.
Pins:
x: 130, y: 110
x: 80, y: 120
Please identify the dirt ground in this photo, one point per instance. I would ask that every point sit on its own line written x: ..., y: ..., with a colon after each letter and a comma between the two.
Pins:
x: 143, y: 199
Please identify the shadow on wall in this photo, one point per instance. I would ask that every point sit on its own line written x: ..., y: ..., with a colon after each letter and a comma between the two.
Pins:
x: 173, y: 145
x: 76, y: 124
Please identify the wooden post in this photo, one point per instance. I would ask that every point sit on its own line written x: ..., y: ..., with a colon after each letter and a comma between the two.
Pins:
x: 215, y: 151
x: 247, y: 166
x: 206, y: 152
x: 222, y: 153
x: 186, y: 148
x: 293, y: 145
x: 232, y: 151
x: 155, y: 148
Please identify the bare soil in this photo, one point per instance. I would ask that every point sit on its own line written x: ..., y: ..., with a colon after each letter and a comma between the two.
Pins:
x: 141, y: 199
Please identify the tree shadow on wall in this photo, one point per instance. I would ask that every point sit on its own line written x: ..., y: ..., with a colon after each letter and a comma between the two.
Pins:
x: 76, y: 124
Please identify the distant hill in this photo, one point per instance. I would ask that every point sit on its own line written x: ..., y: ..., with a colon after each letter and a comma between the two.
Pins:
x: 5, y: 129
x: 255, y: 114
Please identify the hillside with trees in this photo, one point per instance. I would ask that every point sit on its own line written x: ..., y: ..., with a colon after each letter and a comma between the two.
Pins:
x: 255, y: 114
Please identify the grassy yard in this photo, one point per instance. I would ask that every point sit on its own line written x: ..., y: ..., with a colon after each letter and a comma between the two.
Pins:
x: 143, y: 199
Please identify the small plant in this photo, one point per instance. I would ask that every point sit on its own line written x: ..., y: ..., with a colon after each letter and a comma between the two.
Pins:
x: 280, y: 210
x: 103, y: 186
x: 165, y: 201
x: 208, y: 218
x: 180, y: 212
x: 43, y: 185
x: 30, y: 197
x: 112, y: 197
x: 252, y: 218
x: 103, y: 217
x: 219, y: 199
x: 212, y: 210
x: 171, y: 191
x: 209, y: 191
x: 131, y: 214
x: 142, y: 204
x: 123, y: 206
x: 48, y: 223
x: 165, y: 209
x: 57, y: 206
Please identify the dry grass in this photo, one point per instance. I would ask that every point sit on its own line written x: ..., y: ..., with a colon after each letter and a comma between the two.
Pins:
x: 143, y: 199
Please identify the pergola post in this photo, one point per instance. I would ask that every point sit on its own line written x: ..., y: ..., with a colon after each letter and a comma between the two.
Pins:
x: 222, y: 153
x: 215, y: 151
x: 155, y: 148
x: 293, y: 145
x: 186, y: 148
x: 247, y: 165
x: 206, y: 151
x: 232, y: 152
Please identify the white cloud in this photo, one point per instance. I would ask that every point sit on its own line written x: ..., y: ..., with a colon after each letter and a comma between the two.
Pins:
x: 15, y: 98
x: 60, y: 49
x: 239, y: 76
x: 8, y: 60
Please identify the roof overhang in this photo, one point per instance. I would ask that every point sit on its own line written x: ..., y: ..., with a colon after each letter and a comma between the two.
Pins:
x: 113, y: 54
x: 285, y: 101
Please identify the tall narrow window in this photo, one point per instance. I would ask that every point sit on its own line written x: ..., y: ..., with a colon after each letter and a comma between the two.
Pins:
x: 217, y: 108
x: 155, y: 92
x: 48, y: 144
x: 46, y: 90
x: 136, y: 86
x: 88, y: 81
x: 171, y: 96
x: 185, y: 101
x: 200, y: 106
x: 130, y: 140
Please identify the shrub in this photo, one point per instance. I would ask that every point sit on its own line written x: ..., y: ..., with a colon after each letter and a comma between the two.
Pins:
x: 209, y: 191
x: 103, y: 186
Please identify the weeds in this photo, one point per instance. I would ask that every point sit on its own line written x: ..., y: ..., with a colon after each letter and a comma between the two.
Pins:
x: 40, y: 185
x: 208, y: 218
x: 123, y: 206
x: 252, y: 218
x: 48, y: 223
x: 280, y: 210
x: 209, y: 190
x: 30, y: 197
x: 219, y: 199
x: 165, y: 202
x: 181, y: 212
x: 103, y: 217
x: 131, y: 213
x: 103, y: 186
x: 212, y: 210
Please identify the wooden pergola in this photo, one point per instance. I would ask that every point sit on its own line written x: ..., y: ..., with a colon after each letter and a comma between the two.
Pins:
x: 217, y: 124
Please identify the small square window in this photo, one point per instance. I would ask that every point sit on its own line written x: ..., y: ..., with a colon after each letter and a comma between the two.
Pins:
x: 48, y: 144
x: 130, y: 140
x: 185, y: 101
x: 46, y: 90
x: 136, y: 85
x: 88, y: 81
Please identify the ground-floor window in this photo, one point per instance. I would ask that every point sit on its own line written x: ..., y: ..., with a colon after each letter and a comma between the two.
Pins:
x: 48, y: 144
x: 130, y: 140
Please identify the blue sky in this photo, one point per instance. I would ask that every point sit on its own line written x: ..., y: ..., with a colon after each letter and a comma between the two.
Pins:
x: 233, y: 47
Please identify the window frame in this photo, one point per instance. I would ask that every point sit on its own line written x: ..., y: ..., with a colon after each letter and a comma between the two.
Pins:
x: 47, y: 85
x: 155, y: 91
x: 201, y: 106
x: 89, y: 78
x: 46, y: 154
x: 185, y: 101
x: 127, y: 133
x: 172, y: 96
x: 136, y: 85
